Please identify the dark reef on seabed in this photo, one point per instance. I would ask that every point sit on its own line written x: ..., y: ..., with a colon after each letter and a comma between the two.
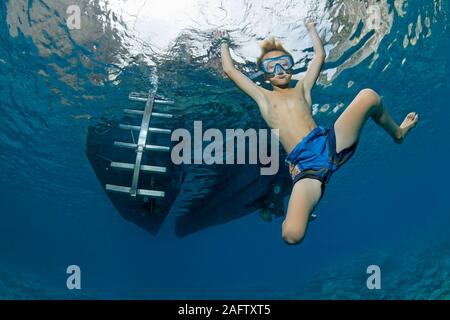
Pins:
x: 419, y: 273
x: 27, y: 287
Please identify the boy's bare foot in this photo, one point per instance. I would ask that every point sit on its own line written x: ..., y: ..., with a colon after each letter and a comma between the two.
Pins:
x: 410, y: 122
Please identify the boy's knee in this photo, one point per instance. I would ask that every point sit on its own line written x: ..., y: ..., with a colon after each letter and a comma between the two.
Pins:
x: 292, y: 234
x: 372, y: 95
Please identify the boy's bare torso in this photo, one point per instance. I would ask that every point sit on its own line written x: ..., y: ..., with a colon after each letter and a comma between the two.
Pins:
x: 289, y: 111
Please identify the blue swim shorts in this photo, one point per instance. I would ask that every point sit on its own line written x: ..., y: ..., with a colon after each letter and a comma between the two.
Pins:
x: 315, y: 156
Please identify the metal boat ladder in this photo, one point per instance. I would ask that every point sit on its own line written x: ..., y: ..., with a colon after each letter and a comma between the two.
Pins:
x: 141, y: 146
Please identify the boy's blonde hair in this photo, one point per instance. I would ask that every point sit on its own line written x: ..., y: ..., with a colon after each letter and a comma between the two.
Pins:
x: 271, y: 44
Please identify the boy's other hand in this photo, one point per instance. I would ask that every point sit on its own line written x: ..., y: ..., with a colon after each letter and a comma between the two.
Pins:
x: 309, y: 24
x: 217, y: 34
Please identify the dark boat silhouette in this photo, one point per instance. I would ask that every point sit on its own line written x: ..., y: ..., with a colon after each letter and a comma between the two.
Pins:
x: 197, y: 195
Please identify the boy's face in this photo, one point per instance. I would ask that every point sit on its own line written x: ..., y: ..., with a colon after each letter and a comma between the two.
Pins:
x: 281, y: 77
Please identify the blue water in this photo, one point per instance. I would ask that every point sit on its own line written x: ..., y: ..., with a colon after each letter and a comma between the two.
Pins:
x: 388, y: 206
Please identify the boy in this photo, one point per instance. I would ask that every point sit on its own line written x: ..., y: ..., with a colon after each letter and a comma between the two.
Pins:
x: 314, y: 152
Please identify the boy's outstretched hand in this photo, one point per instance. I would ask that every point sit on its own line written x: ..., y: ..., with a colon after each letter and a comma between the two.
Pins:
x: 309, y: 24
x: 218, y: 34
x: 221, y: 35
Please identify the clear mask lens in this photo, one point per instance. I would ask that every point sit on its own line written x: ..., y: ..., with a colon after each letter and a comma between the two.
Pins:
x: 273, y: 65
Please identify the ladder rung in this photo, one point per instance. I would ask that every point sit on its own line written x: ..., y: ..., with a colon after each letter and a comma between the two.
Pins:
x: 132, y: 111
x: 154, y: 114
x: 129, y: 127
x: 125, y: 145
x: 134, y: 96
x: 159, y: 130
x: 138, y: 96
x: 157, y: 148
x: 140, y: 192
x: 137, y: 128
x: 162, y: 115
x: 169, y: 102
x: 147, y: 147
x: 144, y: 168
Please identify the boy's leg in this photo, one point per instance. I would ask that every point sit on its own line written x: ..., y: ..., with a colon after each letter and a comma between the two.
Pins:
x: 368, y: 104
x: 304, y: 197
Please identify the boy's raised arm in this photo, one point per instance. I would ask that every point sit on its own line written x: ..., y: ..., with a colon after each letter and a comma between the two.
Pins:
x: 227, y: 61
x: 242, y: 81
x: 316, y: 63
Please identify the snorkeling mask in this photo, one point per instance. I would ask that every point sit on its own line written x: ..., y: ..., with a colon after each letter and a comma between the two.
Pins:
x: 271, y: 66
